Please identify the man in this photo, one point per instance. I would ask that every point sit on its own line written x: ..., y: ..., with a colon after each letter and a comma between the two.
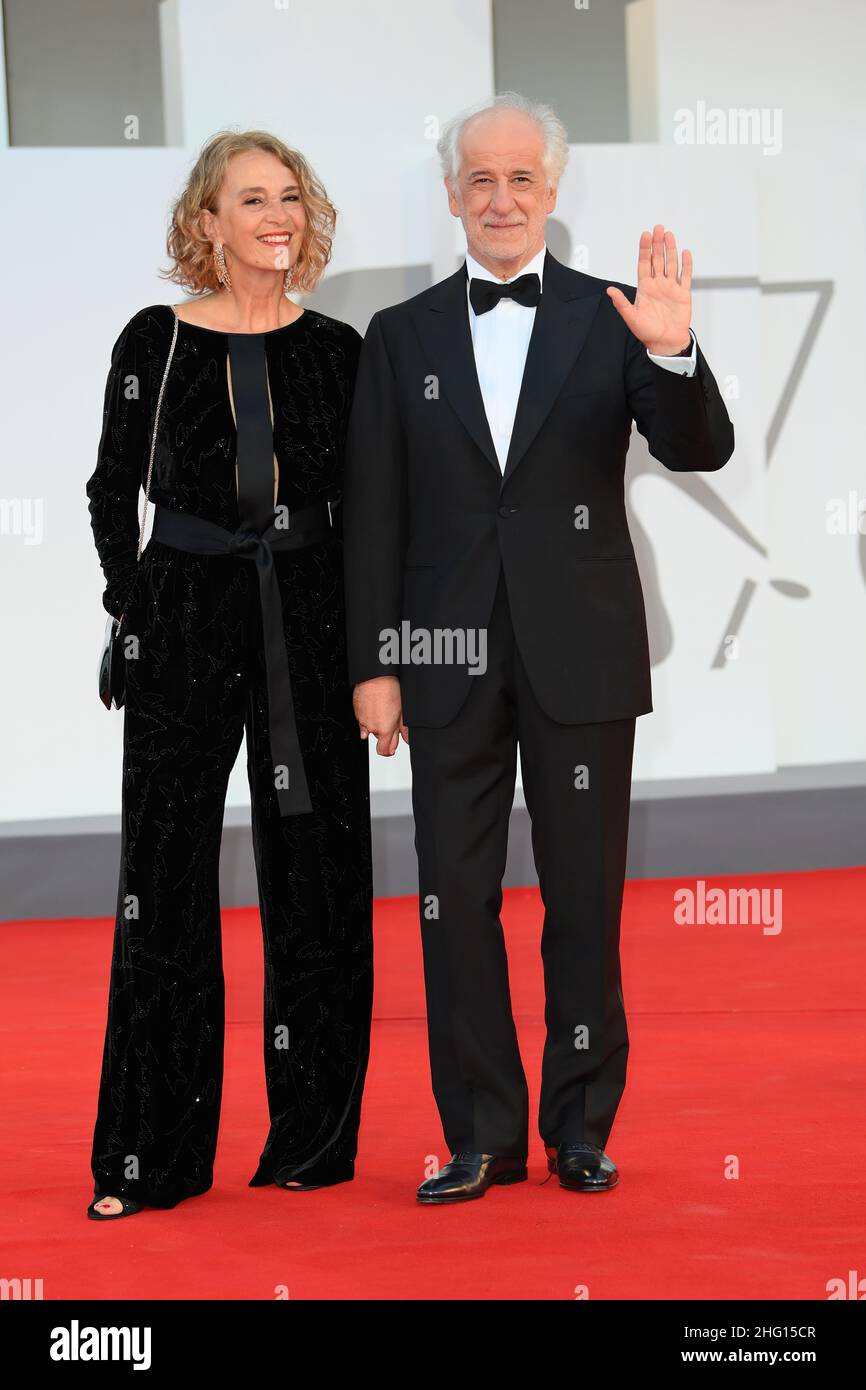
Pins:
x: 484, y: 507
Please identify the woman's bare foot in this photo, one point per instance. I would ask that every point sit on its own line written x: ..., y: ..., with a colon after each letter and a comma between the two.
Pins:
x: 112, y: 1208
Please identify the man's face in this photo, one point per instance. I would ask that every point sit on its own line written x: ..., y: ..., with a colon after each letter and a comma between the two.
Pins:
x: 500, y: 192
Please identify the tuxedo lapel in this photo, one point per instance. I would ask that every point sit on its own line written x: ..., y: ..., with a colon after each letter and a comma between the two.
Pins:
x: 443, y: 326
x: 562, y: 322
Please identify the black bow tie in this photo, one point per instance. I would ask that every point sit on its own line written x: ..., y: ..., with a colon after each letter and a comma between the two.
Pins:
x: 486, y: 294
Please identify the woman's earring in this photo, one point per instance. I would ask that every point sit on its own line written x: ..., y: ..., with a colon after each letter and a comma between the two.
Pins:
x: 219, y: 261
x: 288, y: 281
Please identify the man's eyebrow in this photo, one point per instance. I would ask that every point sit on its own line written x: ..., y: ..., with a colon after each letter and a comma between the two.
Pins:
x: 472, y: 172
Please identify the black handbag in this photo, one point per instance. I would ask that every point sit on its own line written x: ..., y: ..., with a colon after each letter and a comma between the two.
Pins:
x: 111, y: 665
x: 112, y: 659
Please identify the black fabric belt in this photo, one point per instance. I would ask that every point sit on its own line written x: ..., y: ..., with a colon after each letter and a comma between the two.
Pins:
x: 306, y: 525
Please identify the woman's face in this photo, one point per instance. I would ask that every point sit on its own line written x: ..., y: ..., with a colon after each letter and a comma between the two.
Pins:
x: 260, y: 218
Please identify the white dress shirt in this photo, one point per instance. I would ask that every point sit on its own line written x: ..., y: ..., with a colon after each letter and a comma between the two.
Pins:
x: 500, y: 341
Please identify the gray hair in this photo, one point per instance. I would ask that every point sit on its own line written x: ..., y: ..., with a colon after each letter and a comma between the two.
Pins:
x: 555, y: 135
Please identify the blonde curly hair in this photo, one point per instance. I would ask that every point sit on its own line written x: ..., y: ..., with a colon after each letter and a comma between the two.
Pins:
x: 191, y: 252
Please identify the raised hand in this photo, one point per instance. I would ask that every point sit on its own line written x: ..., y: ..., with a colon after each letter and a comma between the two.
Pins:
x: 662, y: 310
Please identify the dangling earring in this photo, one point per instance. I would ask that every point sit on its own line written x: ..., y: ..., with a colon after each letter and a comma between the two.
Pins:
x: 219, y: 261
x: 288, y: 281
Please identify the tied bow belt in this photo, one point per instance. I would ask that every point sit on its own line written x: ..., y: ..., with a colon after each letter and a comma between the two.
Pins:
x: 307, y: 525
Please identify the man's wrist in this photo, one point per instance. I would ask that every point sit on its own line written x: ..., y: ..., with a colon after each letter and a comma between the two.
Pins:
x: 660, y: 350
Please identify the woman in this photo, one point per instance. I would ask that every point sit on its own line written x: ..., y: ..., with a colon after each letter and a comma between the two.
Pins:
x: 233, y: 621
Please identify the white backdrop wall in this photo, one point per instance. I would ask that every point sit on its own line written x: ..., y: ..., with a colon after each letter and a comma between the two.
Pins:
x: 82, y: 236
x: 801, y: 67
x: 359, y: 87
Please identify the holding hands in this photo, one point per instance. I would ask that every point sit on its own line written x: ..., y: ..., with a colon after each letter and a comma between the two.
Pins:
x: 377, y: 705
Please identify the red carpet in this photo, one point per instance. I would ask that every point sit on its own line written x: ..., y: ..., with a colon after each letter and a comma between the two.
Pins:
x: 743, y: 1044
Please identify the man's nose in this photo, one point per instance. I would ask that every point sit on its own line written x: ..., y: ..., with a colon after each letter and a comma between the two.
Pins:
x: 503, y: 198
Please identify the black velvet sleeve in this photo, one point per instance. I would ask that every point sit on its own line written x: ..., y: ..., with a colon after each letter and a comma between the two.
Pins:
x: 375, y: 509
x: 353, y: 343
x: 121, y: 463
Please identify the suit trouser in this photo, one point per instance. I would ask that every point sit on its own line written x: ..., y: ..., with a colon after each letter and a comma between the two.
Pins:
x: 577, y: 784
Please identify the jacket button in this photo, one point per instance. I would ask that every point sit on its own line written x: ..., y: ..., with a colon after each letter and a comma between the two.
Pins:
x: 507, y: 511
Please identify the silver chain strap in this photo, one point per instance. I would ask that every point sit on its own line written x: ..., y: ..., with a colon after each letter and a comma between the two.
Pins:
x: 155, y: 428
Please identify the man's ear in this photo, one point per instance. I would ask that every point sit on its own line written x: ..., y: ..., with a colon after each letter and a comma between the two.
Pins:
x: 551, y: 197
x: 452, y: 201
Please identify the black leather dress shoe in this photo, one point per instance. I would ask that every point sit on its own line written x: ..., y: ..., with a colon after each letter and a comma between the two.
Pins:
x: 469, y: 1175
x: 582, y: 1167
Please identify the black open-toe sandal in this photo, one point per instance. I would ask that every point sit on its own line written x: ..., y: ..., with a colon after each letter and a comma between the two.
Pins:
x: 128, y: 1208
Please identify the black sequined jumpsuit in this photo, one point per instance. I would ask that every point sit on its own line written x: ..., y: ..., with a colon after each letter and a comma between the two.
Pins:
x: 196, y: 681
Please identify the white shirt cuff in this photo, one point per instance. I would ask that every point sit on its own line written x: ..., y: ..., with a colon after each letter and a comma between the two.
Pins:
x: 686, y: 366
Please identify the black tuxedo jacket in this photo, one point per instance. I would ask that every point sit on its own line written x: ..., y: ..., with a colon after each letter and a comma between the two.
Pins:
x: 429, y: 518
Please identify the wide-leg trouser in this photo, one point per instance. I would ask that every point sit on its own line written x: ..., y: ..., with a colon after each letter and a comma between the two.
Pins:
x: 577, y: 783
x: 197, y: 684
